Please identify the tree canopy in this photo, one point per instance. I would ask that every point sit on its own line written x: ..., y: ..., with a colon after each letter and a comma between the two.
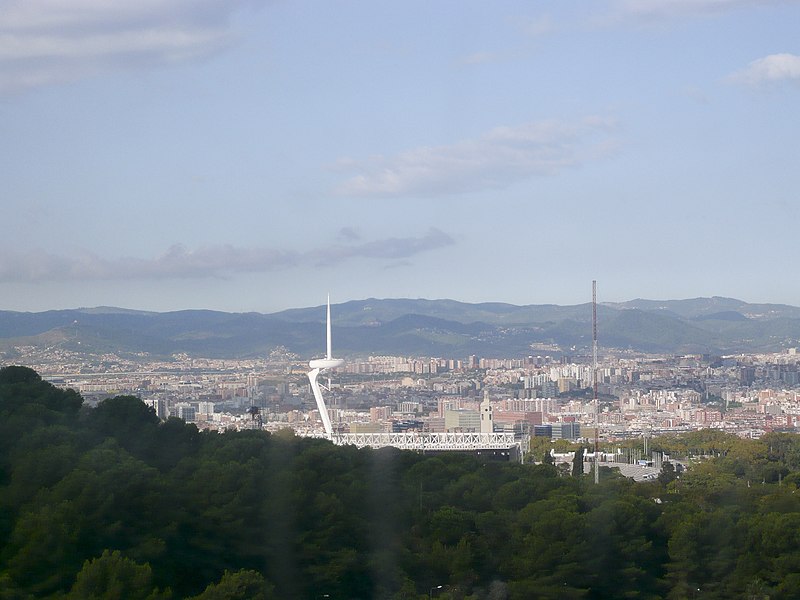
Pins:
x: 112, y: 503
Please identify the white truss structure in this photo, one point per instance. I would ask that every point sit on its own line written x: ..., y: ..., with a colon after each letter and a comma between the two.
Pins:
x: 422, y: 441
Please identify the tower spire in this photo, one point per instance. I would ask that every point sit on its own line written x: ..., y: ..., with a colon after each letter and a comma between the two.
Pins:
x: 329, y: 355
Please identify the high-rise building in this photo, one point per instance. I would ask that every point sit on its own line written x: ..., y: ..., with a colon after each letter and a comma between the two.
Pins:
x: 186, y: 411
x: 462, y: 420
x: 158, y: 405
x: 205, y: 410
x: 566, y: 431
x: 380, y: 413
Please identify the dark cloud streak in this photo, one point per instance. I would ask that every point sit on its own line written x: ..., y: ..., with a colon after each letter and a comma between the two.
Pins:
x: 222, y: 261
x: 391, y: 248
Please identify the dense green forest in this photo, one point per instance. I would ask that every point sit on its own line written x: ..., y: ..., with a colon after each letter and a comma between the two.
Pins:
x: 111, y: 503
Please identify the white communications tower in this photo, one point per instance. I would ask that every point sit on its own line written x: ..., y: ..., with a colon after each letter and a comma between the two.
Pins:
x: 485, y: 440
x: 319, y: 365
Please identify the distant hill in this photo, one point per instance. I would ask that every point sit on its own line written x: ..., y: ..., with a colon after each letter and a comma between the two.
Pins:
x: 416, y: 327
x: 699, y: 307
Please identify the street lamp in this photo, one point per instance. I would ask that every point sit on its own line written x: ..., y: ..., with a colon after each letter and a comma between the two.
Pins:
x: 430, y: 593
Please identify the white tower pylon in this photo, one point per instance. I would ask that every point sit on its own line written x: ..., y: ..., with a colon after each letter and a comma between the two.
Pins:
x: 319, y: 365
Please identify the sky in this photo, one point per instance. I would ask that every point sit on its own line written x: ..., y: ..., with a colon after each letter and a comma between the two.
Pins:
x: 249, y: 155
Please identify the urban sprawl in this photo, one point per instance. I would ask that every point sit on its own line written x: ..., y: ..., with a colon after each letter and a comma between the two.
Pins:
x: 549, y: 396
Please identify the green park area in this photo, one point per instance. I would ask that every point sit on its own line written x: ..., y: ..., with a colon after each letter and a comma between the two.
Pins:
x: 110, y: 502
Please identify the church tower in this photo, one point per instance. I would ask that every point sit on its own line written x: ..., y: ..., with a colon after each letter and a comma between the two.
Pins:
x: 487, y: 423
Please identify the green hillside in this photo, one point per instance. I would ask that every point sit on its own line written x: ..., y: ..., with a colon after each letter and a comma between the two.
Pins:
x: 420, y: 327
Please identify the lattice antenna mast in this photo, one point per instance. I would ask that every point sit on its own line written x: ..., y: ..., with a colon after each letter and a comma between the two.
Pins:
x: 594, y: 380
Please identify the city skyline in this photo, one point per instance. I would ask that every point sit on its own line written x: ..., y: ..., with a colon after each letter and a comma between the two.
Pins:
x: 242, y: 156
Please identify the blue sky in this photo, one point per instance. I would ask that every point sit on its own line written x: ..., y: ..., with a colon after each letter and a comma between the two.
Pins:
x: 249, y: 155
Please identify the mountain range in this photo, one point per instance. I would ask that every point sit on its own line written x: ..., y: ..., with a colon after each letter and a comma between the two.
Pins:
x: 417, y: 327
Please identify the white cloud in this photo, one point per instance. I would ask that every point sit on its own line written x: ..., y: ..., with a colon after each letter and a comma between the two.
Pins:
x: 772, y: 68
x: 179, y: 262
x: 480, y: 58
x: 531, y: 28
x: 56, y: 41
x: 678, y: 8
x: 497, y: 159
x: 536, y: 26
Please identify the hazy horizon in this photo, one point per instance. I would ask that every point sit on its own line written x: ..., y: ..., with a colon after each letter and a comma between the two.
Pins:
x: 100, y: 308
